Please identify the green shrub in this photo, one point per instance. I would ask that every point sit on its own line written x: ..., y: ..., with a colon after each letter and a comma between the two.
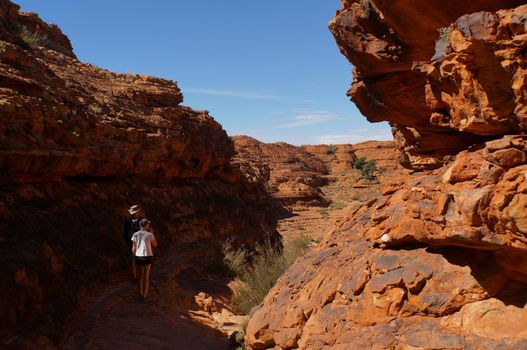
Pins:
x: 256, y: 272
x: 239, y: 340
x: 368, y: 168
x: 28, y: 39
x: 297, y: 247
x: 331, y: 149
x: 359, y: 163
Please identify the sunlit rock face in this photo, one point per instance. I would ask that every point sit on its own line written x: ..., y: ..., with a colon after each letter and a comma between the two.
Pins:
x: 78, y: 146
x: 295, y: 175
x: 443, y: 74
x: 439, y: 259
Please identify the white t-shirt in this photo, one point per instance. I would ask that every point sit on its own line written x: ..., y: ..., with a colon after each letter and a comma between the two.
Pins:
x: 143, y: 243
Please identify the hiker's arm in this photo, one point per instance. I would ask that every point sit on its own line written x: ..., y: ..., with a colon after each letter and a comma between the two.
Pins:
x: 133, y: 247
x: 154, y: 241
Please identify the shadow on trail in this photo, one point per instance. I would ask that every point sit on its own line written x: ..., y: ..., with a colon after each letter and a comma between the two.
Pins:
x: 116, y: 319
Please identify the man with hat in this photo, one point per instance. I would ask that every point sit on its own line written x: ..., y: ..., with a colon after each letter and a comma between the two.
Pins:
x: 131, y: 226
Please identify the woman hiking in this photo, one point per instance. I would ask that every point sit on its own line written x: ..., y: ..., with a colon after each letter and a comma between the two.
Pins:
x: 131, y: 226
x: 143, y: 242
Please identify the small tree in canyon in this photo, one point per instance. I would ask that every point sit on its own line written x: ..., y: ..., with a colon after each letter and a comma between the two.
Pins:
x: 368, y: 168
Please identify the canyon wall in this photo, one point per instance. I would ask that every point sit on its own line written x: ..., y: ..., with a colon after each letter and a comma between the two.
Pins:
x: 440, y: 98
x: 296, y: 174
x: 78, y: 146
x: 439, y: 259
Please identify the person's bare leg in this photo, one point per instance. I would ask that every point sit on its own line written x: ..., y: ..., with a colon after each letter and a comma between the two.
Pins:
x: 134, y: 268
x: 140, y: 280
x: 146, y: 281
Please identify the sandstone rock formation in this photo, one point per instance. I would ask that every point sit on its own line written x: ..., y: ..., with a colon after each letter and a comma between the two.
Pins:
x: 295, y: 175
x: 315, y: 184
x: 439, y: 259
x: 78, y: 145
x: 335, y: 157
x: 469, y: 93
x: 383, y: 152
x: 435, y: 262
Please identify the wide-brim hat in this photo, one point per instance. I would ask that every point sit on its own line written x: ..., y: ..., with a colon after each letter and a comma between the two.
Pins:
x: 135, y: 209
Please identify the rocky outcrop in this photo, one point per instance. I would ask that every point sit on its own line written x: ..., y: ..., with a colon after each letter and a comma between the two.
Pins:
x: 335, y: 157
x: 468, y: 92
x: 78, y: 145
x: 438, y: 259
x: 315, y: 184
x: 383, y: 152
x: 435, y: 262
x: 27, y: 29
x: 295, y: 175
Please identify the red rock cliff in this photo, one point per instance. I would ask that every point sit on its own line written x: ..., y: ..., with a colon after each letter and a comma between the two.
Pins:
x: 471, y: 90
x: 78, y: 145
x: 439, y: 259
x: 294, y: 174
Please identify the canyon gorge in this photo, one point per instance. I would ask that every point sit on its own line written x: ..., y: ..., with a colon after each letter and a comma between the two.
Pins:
x: 431, y: 253
x: 437, y: 260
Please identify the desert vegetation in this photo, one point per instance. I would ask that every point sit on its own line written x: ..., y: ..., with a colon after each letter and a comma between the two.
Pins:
x: 331, y: 149
x: 368, y: 168
x: 27, y: 38
x: 257, y: 271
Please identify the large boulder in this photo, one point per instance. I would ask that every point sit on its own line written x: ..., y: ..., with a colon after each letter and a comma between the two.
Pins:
x: 468, y: 91
x: 436, y: 261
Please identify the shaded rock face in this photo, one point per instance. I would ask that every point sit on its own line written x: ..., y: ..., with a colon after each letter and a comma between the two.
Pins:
x: 435, y: 262
x: 468, y: 92
x: 78, y: 145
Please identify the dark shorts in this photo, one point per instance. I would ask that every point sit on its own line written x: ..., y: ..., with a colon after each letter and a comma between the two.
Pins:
x: 143, y: 260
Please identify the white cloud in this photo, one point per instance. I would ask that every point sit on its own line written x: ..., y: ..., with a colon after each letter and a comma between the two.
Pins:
x: 229, y: 93
x: 310, y: 118
x: 355, y: 136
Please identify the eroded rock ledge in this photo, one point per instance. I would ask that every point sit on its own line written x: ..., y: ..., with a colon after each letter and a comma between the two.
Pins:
x: 78, y: 145
x: 471, y: 91
x: 439, y: 259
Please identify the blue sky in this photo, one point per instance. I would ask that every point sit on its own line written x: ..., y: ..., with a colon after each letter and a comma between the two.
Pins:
x: 268, y: 69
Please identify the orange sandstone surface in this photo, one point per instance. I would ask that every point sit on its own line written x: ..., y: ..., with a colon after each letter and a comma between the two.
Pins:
x: 438, y: 259
x: 316, y: 185
x: 78, y: 146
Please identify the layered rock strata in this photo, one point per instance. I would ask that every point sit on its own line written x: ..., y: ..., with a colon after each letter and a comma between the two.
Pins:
x: 78, y: 145
x: 436, y: 262
x: 439, y: 259
x: 468, y: 92
x: 295, y: 175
